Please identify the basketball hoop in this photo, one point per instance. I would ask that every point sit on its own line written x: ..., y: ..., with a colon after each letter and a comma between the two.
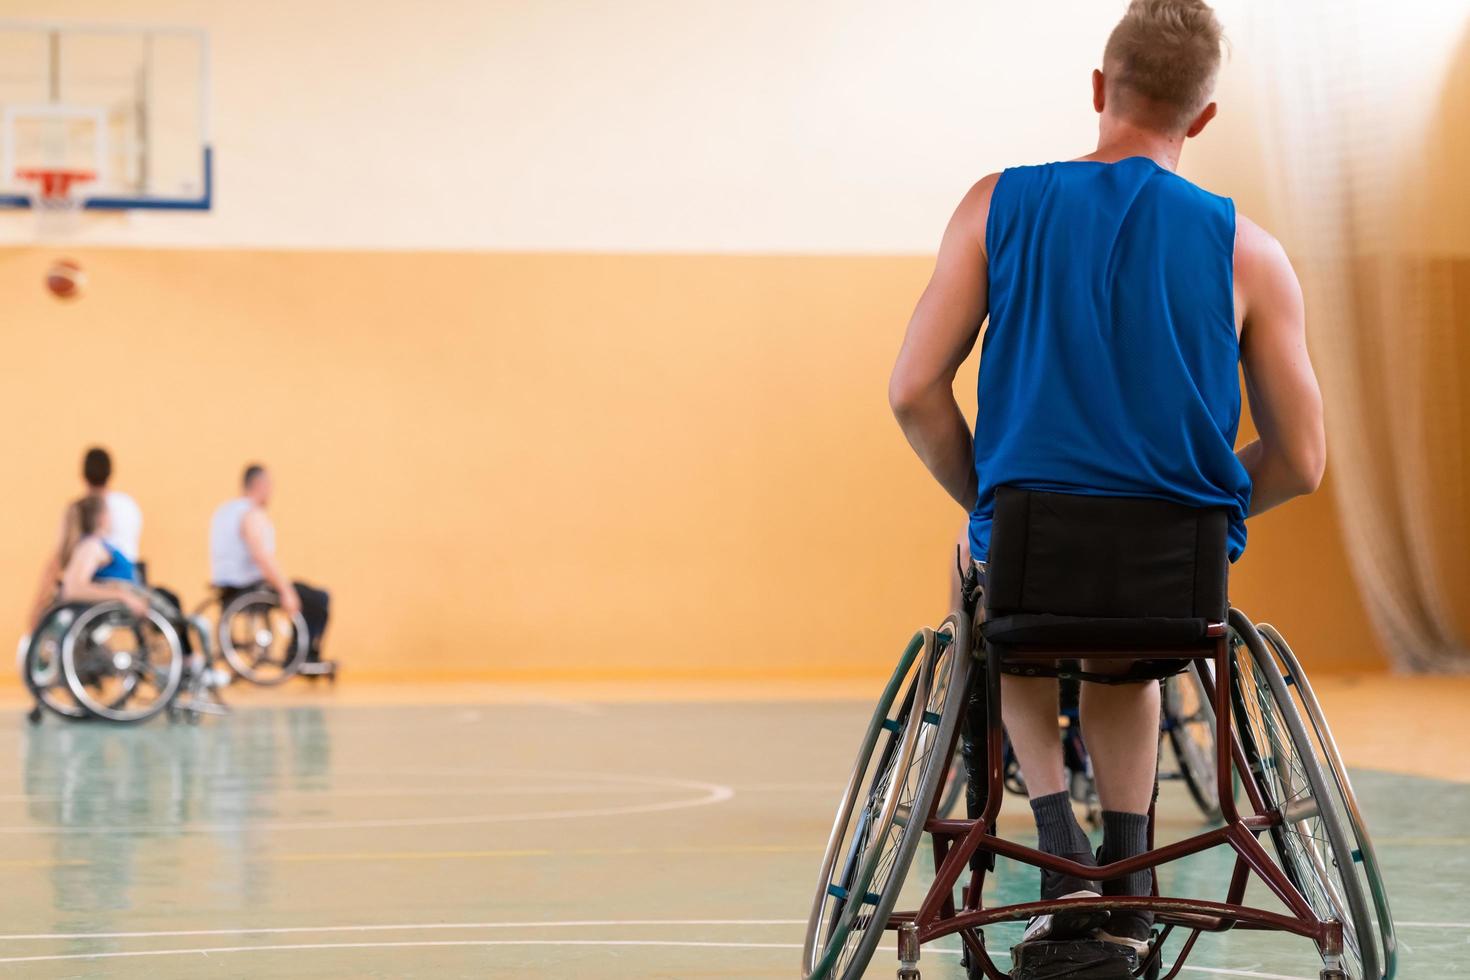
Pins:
x: 58, y: 208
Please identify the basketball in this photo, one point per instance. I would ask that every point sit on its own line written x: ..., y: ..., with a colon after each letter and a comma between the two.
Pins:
x: 65, y: 279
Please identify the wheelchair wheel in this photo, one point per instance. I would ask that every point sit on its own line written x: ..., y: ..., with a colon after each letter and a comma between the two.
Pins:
x: 889, y: 798
x: 1313, y: 838
x: 41, y: 664
x: 1189, y: 718
x: 120, y: 667
x: 1365, y: 859
x: 261, y: 641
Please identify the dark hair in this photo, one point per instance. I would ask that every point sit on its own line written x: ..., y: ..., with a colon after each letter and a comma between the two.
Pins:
x: 252, y: 473
x: 97, y: 467
x: 89, y: 513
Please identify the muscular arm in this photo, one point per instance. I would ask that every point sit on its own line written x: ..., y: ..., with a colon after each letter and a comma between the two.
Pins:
x: 252, y: 530
x: 940, y: 336
x: 1286, y: 404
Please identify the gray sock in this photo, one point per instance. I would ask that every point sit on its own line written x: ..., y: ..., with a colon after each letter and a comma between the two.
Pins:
x: 1057, y: 828
x: 1125, y: 835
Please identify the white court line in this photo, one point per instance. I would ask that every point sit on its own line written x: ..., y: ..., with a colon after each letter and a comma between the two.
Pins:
x: 558, y: 924
x: 283, y: 930
x: 422, y: 944
x: 712, y: 794
x: 331, y: 792
x: 1432, y: 925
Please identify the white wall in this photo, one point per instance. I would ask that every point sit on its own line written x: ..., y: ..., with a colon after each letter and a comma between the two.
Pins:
x: 650, y: 125
x: 661, y: 125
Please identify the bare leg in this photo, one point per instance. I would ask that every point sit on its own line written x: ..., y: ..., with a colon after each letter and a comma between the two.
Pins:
x: 1029, y: 706
x: 1121, y: 726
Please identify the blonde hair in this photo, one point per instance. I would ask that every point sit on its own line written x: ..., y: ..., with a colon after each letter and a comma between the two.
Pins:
x: 1161, y: 61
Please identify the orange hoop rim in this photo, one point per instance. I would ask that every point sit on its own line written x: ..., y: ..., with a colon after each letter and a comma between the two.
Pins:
x: 55, y: 182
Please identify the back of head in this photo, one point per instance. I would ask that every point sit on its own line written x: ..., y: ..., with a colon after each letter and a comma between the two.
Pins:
x: 1161, y: 62
x: 97, y: 468
x: 255, y: 483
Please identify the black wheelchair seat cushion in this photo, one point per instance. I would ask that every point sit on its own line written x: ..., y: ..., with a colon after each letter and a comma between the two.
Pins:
x: 1081, y: 560
x: 1096, y: 632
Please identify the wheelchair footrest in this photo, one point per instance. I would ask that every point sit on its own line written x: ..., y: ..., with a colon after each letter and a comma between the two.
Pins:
x: 1079, y: 959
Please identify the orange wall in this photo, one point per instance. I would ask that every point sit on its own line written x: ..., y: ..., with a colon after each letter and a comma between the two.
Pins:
x: 536, y: 465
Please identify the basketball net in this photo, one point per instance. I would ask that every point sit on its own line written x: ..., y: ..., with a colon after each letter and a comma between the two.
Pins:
x: 57, y: 206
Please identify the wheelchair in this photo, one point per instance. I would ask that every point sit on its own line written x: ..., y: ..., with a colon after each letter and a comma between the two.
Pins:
x: 1139, y: 584
x: 261, y: 642
x: 99, y: 660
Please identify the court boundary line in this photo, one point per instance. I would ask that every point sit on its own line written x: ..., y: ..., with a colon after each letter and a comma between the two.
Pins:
x: 422, y: 926
x: 483, y: 943
x: 404, y: 927
x: 713, y: 794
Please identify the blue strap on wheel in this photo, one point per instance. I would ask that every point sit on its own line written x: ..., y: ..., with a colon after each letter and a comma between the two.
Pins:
x: 892, y: 725
x: 837, y: 891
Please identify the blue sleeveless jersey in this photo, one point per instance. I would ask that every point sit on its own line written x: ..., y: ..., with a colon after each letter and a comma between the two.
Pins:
x: 118, y: 568
x: 1109, y: 366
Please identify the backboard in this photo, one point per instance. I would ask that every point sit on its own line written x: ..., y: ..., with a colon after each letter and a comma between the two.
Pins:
x: 127, y: 105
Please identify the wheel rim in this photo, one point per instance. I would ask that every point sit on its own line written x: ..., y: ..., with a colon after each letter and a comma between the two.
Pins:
x: 119, y: 667
x: 887, y: 838
x: 832, y: 937
x: 1310, y: 840
x: 1365, y: 857
x: 261, y: 641
x: 1192, y: 734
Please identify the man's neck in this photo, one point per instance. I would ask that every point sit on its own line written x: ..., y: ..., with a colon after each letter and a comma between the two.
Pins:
x: 1119, y: 139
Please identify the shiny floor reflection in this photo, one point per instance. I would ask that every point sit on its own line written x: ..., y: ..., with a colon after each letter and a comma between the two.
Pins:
x: 530, y: 840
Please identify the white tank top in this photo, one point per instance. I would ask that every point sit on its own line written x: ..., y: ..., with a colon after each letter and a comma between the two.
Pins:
x: 127, y: 524
x: 229, y: 561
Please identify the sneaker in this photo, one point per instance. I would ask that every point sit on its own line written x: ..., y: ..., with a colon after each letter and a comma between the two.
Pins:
x: 1059, y: 888
x: 1135, y: 930
x: 1132, y: 929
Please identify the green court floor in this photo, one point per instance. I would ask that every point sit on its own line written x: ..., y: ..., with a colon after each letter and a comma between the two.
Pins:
x: 559, y: 839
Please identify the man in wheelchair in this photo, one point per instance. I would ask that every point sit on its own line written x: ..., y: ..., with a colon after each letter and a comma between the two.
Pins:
x: 1121, y: 301
x: 242, y: 558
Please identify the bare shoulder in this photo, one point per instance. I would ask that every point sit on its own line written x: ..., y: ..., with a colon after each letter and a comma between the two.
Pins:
x: 1259, y: 257
x: 974, y: 208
